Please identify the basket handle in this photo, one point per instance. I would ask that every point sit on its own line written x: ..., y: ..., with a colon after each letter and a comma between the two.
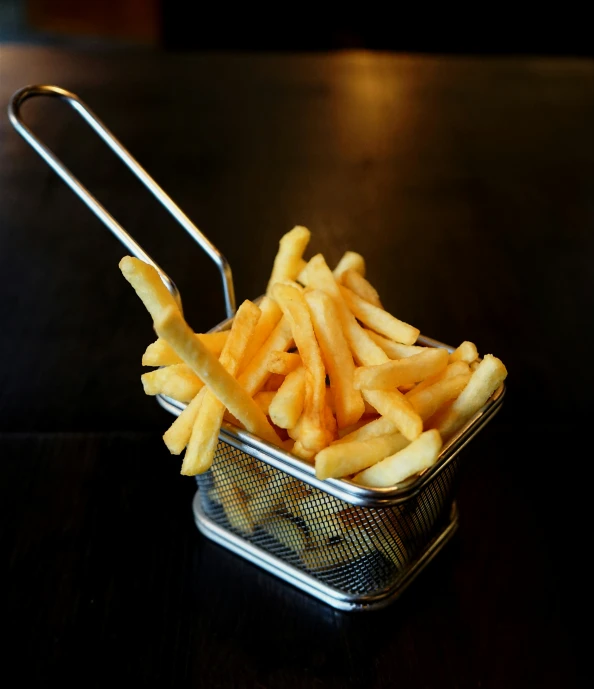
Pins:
x: 108, y: 220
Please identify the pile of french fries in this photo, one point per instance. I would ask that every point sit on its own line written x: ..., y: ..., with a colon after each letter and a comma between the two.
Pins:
x: 318, y: 368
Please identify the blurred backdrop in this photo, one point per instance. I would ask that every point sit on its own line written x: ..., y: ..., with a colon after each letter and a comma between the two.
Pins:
x: 521, y: 28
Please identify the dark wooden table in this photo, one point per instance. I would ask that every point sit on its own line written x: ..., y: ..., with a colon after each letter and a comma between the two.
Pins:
x: 468, y: 184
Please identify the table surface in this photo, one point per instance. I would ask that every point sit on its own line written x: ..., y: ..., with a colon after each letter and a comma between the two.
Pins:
x: 468, y: 184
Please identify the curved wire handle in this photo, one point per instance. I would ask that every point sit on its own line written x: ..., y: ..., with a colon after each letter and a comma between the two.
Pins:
x: 108, y: 220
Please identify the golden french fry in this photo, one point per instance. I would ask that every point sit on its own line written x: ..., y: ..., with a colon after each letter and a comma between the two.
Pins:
x: 286, y: 531
x: 416, y: 457
x: 372, y: 429
x: 365, y: 351
x: 274, y: 382
x: 395, y: 350
x: 264, y: 398
x: 172, y: 327
x: 284, y: 362
x: 465, y: 352
x: 483, y: 382
x: 343, y: 459
x: 379, y: 320
x: 302, y: 452
x: 360, y: 286
x: 427, y: 402
x: 350, y: 261
x: 287, y: 263
x: 298, y: 448
x: 291, y: 492
x: 302, y: 265
x: 314, y: 435
x: 177, y: 381
x: 474, y: 365
x: 392, y: 374
x: 338, y: 360
x: 458, y: 368
x: 148, y: 285
x: 159, y: 353
x: 269, y: 317
x: 256, y: 373
x: 287, y: 404
x: 344, y: 432
x: 246, y: 473
x: 302, y: 277
x: 395, y: 406
x: 330, y: 423
x: 235, y: 504
x: 205, y: 433
x: 178, y: 435
x: 229, y: 418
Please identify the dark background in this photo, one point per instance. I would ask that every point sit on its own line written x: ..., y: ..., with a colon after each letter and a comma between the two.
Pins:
x: 465, y: 176
x: 501, y: 28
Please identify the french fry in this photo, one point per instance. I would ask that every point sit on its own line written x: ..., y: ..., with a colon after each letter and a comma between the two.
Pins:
x: 148, y: 285
x: 483, y: 382
x: 159, y: 353
x: 287, y: 404
x: 270, y: 315
x: 392, y: 374
x: 396, y: 407
x: 360, y: 286
x: 343, y: 459
x: 286, y: 531
x: 329, y: 422
x: 465, y: 352
x: 256, y: 373
x: 274, y: 382
x: 287, y: 494
x: 416, y: 457
x: 246, y: 473
x: 395, y: 350
x: 365, y: 351
x: 338, y: 360
x: 302, y: 265
x: 178, y: 435
x: 264, y: 398
x: 344, y: 432
x: 458, y: 368
x: 205, y: 433
x: 314, y: 435
x: 284, y: 362
x: 372, y: 429
x: 235, y: 504
x: 287, y: 262
x: 379, y: 320
x: 295, y: 433
x: 171, y: 327
x: 177, y: 381
x: 428, y: 401
x: 350, y: 260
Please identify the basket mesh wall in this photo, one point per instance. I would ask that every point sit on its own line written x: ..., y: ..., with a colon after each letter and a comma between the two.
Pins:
x: 358, y: 550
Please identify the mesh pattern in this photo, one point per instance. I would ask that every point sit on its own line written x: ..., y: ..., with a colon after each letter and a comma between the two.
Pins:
x: 358, y: 550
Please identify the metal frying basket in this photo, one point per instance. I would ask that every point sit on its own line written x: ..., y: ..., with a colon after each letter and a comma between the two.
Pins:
x: 350, y: 546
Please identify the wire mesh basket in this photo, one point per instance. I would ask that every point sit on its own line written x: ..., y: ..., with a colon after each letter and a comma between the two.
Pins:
x: 351, y: 546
